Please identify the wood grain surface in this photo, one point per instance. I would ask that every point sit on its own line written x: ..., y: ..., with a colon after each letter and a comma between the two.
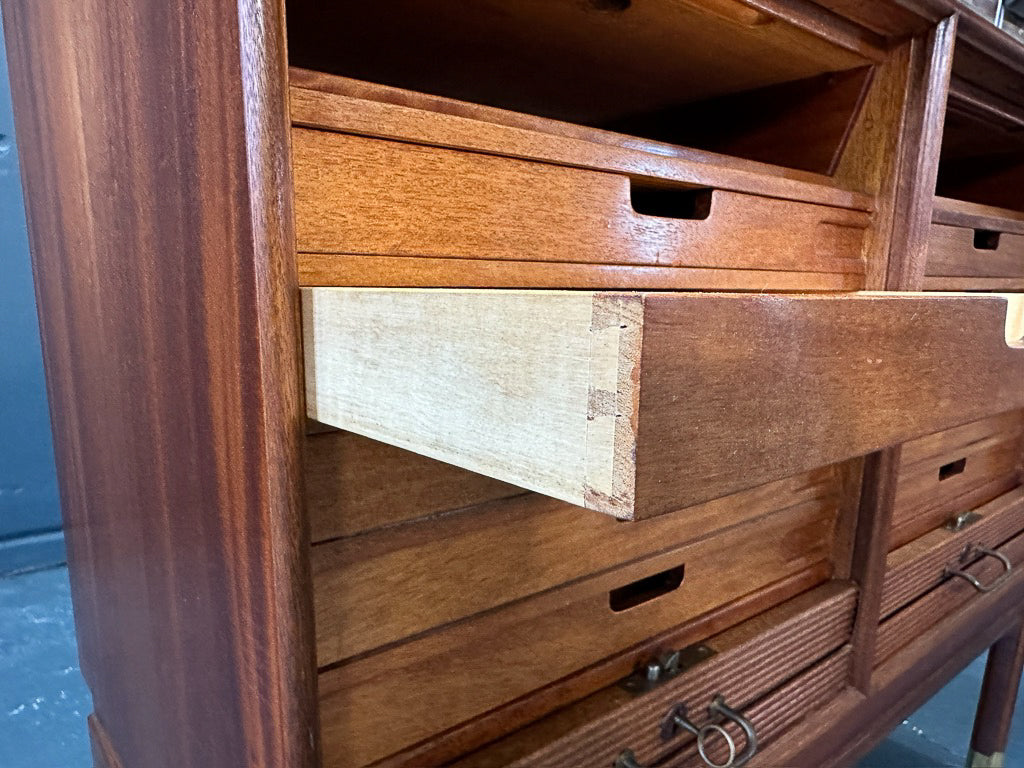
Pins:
x: 588, y: 407
x: 956, y: 470
x: 998, y: 697
x: 379, y: 703
x: 354, y: 485
x: 153, y: 138
x: 915, y: 619
x: 329, y: 111
x: 577, y: 61
x: 920, y: 565
x: 954, y: 252
x: 776, y: 652
x: 355, y: 195
x: 378, y: 588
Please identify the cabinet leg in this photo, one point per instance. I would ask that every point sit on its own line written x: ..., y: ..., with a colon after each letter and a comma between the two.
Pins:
x: 995, y: 706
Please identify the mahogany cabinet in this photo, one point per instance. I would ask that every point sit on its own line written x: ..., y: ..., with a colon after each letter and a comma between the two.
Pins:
x: 591, y: 383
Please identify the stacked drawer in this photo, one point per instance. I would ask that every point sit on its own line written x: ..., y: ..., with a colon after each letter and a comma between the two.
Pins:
x: 974, y: 248
x: 460, y: 617
x: 455, y: 195
x: 512, y: 607
x: 959, y: 509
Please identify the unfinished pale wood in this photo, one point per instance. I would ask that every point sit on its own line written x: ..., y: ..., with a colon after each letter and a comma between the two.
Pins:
x: 372, y: 590
x: 640, y: 404
x: 354, y: 484
x: 363, y: 117
x: 991, y: 450
x: 366, y: 196
x: 379, y: 703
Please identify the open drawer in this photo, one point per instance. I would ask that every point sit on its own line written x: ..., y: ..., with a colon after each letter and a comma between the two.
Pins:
x: 637, y: 404
x: 974, y: 247
x: 767, y: 671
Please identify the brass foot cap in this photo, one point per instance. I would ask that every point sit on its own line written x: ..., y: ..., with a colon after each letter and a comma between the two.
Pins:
x: 978, y: 760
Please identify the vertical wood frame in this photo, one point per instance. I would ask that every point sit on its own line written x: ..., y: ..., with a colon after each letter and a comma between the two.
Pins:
x: 155, y: 160
x: 894, y: 154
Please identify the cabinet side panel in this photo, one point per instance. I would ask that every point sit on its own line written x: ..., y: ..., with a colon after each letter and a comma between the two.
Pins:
x: 156, y: 173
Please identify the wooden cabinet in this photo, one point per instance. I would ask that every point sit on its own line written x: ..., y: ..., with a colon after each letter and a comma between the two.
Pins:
x: 544, y: 383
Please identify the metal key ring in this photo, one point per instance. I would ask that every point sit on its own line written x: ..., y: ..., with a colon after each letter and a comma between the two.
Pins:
x: 702, y: 736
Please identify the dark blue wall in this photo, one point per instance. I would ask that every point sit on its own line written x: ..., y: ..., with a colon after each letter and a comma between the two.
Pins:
x: 29, y: 513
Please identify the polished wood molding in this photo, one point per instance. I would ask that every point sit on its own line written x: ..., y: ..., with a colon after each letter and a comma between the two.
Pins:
x: 154, y: 145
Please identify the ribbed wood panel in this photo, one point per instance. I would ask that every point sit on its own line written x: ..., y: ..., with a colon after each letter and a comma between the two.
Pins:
x: 921, y: 615
x: 781, y: 709
x: 915, y: 568
x: 741, y: 674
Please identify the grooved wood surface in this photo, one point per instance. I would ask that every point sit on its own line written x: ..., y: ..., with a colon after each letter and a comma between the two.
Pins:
x: 380, y: 702
x: 780, y: 710
x: 953, y: 471
x: 741, y: 674
x: 378, y: 588
x: 915, y: 619
x: 153, y: 138
x: 919, y: 565
x: 546, y: 710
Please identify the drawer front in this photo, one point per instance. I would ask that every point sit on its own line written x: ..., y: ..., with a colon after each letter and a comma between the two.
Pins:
x: 967, y: 252
x: 907, y: 624
x: 357, y: 195
x: 742, y: 675
x: 381, y: 587
x: 772, y: 715
x: 381, y: 702
x: 926, y: 562
x: 953, y: 471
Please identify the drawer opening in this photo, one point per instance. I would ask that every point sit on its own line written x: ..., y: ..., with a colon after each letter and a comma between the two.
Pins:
x: 952, y: 469
x: 982, y: 156
x: 646, y: 589
x: 986, y: 239
x: 670, y: 202
x: 769, y: 90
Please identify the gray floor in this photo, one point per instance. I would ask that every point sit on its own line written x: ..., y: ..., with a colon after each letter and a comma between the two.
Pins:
x: 44, y: 701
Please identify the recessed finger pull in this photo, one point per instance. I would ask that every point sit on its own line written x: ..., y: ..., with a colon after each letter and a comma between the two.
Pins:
x: 973, y: 580
x: 676, y: 721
